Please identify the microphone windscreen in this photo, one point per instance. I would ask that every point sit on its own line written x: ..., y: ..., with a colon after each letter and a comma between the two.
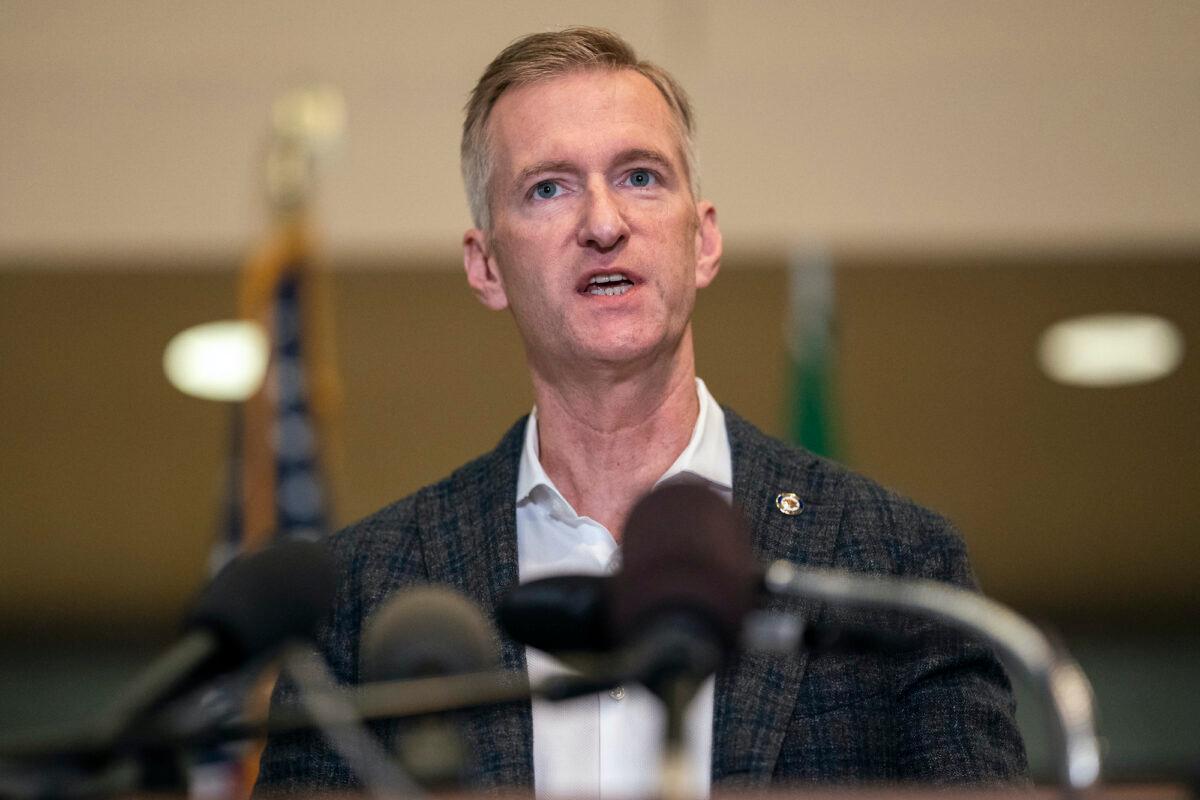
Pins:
x: 685, y: 549
x: 262, y: 599
x: 559, y: 614
x: 427, y: 631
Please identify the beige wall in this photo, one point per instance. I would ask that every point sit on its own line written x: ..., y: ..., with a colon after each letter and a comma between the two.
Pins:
x: 135, y: 126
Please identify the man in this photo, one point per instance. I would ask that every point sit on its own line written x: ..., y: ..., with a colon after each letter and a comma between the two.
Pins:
x: 588, y: 228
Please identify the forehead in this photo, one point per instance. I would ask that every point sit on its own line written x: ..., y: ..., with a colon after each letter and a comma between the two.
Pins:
x: 582, y: 116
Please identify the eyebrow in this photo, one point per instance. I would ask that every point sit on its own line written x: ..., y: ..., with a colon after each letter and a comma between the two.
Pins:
x: 624, y: 157
x: 540, y: 167
x: 642, y: 154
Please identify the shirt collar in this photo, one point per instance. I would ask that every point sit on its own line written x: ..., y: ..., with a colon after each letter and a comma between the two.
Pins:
x: 707, y: 455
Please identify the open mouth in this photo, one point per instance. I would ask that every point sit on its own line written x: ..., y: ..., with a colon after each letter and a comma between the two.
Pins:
x: 609, y: 284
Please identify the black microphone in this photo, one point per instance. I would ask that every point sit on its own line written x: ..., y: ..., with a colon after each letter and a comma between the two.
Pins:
x: 425, y: 651
x: 429, y: 632
x: 425, y: 632
x: 569, y: 614
x: 254, y: 605
x: 688, y: 576
x: 560, y: 614
x: 688, y: 579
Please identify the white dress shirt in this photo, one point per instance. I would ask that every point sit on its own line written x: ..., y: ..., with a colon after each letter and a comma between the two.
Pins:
x: 608, y: 745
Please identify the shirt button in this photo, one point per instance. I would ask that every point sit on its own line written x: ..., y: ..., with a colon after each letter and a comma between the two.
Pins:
x: 617, y: 693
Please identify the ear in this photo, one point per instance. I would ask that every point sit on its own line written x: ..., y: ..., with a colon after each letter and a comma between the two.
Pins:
x: 482, y: 275
x: 708, y: 244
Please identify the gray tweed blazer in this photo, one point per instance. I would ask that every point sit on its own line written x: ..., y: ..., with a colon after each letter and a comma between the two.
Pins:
x: 941, y: 713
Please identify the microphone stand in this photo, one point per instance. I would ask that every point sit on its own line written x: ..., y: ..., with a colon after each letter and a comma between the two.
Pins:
x: 336, y: 712
x: 341, y: 726
x: 677, y: 783
x: 1050, y: 668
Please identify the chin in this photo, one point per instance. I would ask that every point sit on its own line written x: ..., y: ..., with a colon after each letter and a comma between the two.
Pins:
x: 624, y: 351
x: 623, y: 343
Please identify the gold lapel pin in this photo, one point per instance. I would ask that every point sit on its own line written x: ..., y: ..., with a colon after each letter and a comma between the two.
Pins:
x: 789, y: 503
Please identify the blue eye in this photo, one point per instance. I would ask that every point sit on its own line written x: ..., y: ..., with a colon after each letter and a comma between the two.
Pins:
x: 546, y: 190
x: 641, y: 178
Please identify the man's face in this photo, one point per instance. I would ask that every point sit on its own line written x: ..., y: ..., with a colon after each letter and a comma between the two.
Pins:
x: 597, y: 244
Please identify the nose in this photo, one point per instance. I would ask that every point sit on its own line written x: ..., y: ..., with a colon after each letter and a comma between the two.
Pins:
x: 603, y: 225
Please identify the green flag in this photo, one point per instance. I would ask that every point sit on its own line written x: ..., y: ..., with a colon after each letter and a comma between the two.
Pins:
x: 811, y: 352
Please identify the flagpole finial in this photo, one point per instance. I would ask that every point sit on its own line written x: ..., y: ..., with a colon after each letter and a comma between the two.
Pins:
x: 308, y: 125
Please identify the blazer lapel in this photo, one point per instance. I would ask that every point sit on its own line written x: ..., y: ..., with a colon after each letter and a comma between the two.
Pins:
x: 755, y: 695
x: 469, y: 538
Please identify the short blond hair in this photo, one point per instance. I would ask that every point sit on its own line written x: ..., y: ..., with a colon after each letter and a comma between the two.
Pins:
x: 542, y: 56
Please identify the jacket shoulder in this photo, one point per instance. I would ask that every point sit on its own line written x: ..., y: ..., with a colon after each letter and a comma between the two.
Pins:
x: 879, y: 529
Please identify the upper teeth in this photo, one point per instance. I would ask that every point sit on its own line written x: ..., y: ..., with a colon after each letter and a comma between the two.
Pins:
x: 616, y: 276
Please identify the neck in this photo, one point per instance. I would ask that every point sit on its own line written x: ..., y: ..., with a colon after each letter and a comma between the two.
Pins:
x: 605, y: 437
